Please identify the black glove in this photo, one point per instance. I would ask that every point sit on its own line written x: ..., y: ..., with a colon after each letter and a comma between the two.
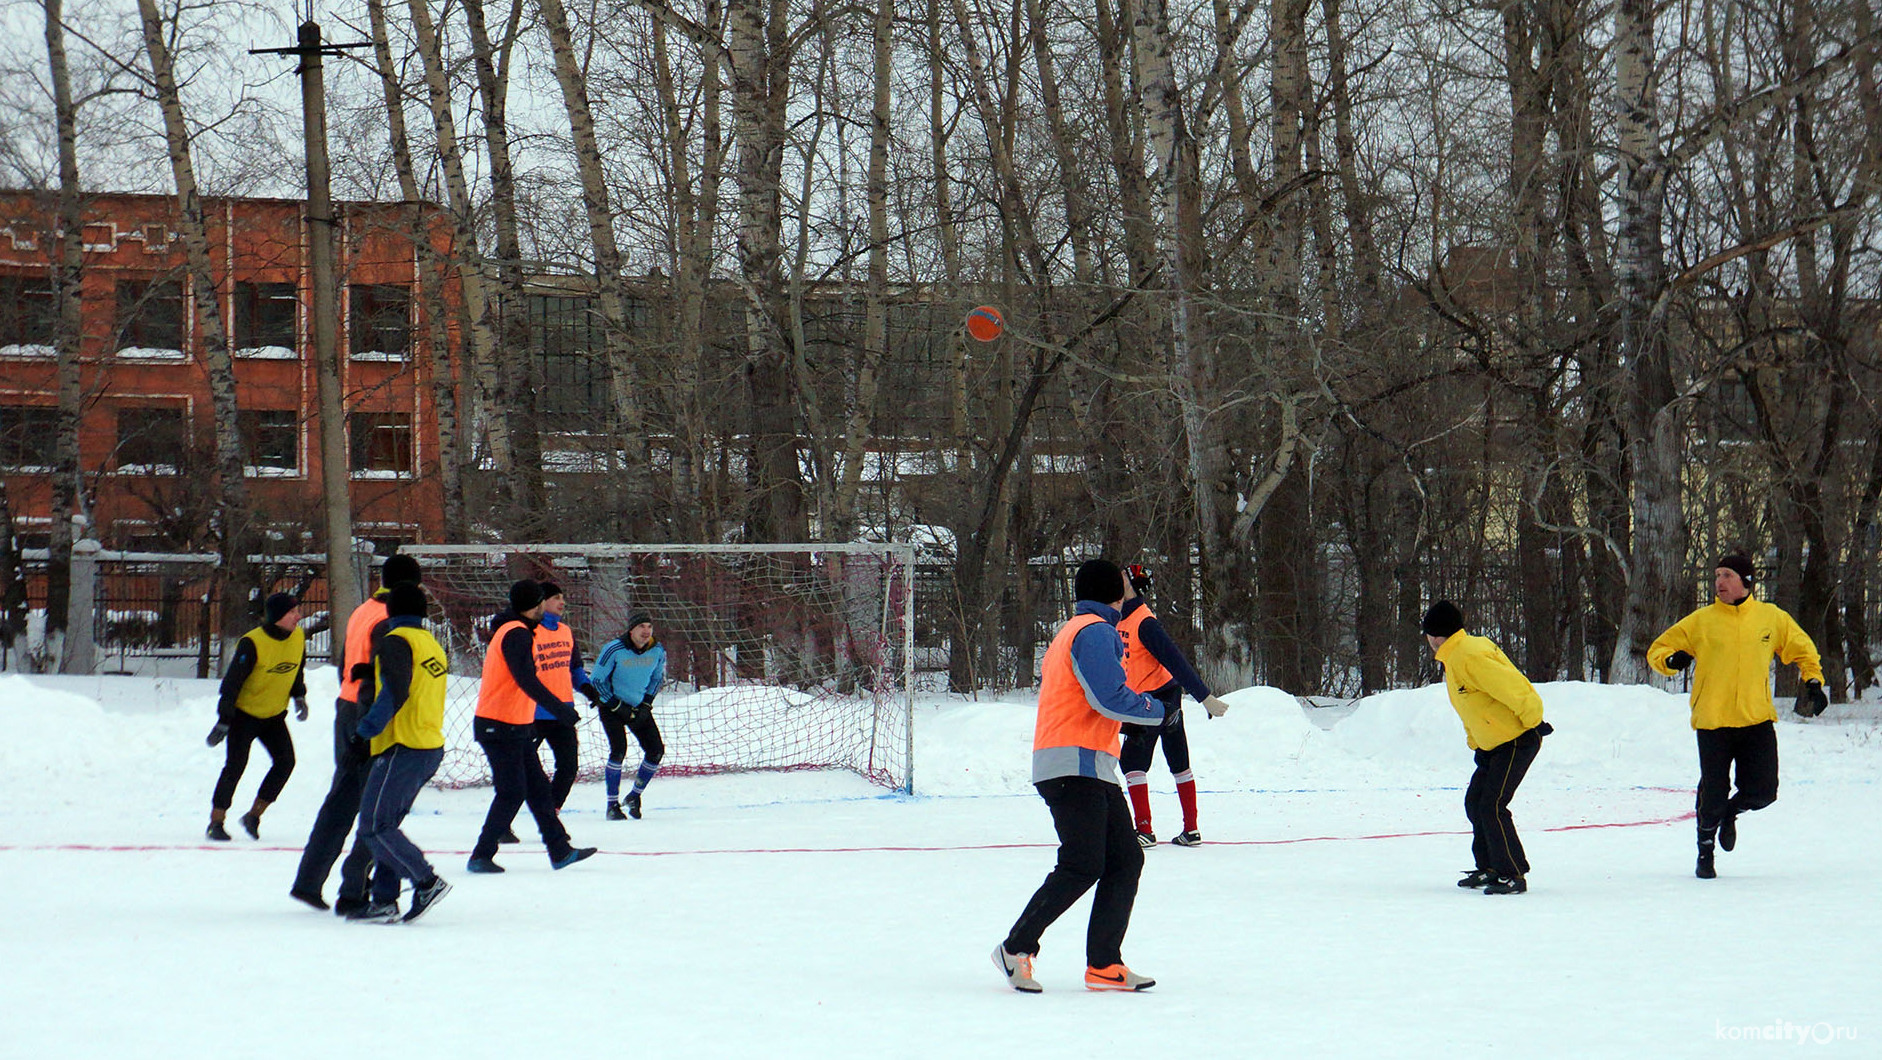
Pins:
x: 1678, y: 661
x: 1173, y: 716
x: 1544, y: 729
x: 1811, y: 700
x: 594, y: 697
x: 358, y: 746
x: 566, y: 713
x: 362, y: 671
x: 300, y: 708
x: 217, y: 734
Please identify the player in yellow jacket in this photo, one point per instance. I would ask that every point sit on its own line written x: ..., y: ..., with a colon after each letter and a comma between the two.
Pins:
x: 253, y: 705
x: 1503, y: 724
x: 1729, y: 643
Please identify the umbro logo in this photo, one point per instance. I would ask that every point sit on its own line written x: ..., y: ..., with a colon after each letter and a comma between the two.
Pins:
x: 283, y: 668
x: 433, y: 667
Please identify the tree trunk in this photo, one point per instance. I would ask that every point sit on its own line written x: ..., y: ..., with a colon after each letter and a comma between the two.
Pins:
x: 69, y: 334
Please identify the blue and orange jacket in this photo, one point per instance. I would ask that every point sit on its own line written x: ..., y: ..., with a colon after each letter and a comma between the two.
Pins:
x: 1151, y: 659
x: 1083, y: 700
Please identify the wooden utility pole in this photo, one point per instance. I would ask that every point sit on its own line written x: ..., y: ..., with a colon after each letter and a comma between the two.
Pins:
x: 344, y: 591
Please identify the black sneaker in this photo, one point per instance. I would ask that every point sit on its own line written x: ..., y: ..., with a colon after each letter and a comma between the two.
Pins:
x: 1506, y: 885
x: 377, y: 913
x: 1728, y: 832
x: 251, y: 823
x: 216, y: 832
x: 1146, y: 839
x: 575, y: 855
x: 1704, y: 870
x: 424, y: 896
x: 1476, y: 878
x: 633, y: 804
x: 1191, y: 838
x: 349, y: 908
x: 482, y: 866
x: 508, y: 836
x: 614, y: 812
x: 311, y: 898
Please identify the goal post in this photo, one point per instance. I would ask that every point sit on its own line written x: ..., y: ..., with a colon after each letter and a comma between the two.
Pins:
x: 779, y: 657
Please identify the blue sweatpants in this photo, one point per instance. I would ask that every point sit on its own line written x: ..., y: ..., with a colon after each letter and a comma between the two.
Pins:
x: 391, y: 787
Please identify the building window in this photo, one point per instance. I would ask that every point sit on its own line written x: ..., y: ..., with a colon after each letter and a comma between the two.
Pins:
x: 265, y: 315
x: 271, y: 440
x: 150, y: 316
x: 27, y: 436
x: 29, y: 313
x: 152, y: 440
x: 379, y: 319
x: 381, y: 444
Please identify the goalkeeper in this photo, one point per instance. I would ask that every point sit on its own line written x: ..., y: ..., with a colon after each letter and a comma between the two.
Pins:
x: 628, y: 674
x: 1154, y: 664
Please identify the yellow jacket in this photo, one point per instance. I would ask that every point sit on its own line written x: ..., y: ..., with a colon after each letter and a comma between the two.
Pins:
x: 1732, y: 646
x: 1495, y: 700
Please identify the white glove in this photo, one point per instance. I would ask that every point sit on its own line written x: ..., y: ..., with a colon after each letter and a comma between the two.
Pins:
x: 1215, y: 706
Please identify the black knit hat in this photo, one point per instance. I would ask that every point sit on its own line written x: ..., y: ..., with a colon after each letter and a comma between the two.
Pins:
x: 1100, y: 581
x: 1442, y: 620
x: 1740, y: 564
x: 406, y: 598
x: 524, y: 596
x: 278, y: 605
x: 549, y: 589
x: 400, y: 568
x: 638, y: 618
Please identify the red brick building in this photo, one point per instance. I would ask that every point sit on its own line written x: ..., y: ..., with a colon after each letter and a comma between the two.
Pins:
x: 146, y: 440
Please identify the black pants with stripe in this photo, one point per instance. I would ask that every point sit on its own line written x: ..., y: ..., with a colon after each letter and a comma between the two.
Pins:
x: 1753, y: 749
x: 1097, y: 845
x: 1500, y: 770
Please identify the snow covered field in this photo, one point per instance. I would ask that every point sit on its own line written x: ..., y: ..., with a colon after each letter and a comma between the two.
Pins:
x: 812, y: 915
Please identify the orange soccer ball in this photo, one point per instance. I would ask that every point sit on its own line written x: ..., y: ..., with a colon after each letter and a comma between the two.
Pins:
x: 985, y: 323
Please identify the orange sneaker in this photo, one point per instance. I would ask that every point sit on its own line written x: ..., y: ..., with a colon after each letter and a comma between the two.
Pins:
x: 1116, y: 977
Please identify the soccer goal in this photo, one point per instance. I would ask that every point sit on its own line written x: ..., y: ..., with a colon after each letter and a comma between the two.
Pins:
x: 779, y: 657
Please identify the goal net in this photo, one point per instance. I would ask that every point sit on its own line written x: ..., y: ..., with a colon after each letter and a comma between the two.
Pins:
x: 779, y: 657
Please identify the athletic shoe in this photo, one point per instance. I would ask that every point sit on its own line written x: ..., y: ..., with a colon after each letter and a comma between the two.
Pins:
x: 573, y: 856
x: 1116, y: 977
x: 251, y: 823
x: 349, y: 908
x: 216, y: 832
x: 1017, y: 967
x: 426, y: 896
x: 378, y: 913
x: 614, y: 812
x: 508, y: 836
x: 483, y: 866
x: 1704, y: 870
x: 311, y: 898
x: 1146, y: 839
x: 633, y: 804
x: 1506, y: 885
x: 1191, y: 838
x: 1728, y: 832
x: 1476, y: 878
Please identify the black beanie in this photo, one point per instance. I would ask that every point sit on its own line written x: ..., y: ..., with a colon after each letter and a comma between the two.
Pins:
x: 524, y: 596
x: 1740, y: 564
x: 549, y: 589
x: 400, y: 568
x: 1442, y: 620
x: 1100, y: 581
x: 406, y: 598
x: 279, y: 604
x: 635, y: 619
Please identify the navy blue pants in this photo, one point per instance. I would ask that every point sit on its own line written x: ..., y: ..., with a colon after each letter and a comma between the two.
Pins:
x: 393, y: 784
x: 516, y: 773
x: 337, y: 813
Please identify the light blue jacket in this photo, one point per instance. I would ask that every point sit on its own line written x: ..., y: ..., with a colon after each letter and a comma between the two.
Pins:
x: 627, y: 675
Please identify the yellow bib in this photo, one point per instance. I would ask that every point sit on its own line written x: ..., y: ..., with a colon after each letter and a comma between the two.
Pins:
x: 265, y: 693
x: 419, y: 724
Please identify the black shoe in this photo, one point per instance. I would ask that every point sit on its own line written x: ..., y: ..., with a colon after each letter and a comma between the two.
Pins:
x: 1705, y: 871
x: 377, y: 913
x: 633, y: 804
x: 1506, y: 885
x: 349, y: 908
x: 216, y: 832
x: 251, y: 823
x: 482, y: 866
x: 424, y: 896
x: 312, y: 898
x: 1476, y: 878
x: 575, y: 855
x: 1146, y: 838
x: 1728, y: 832
x: 508, y: 836
x: 1191, y: 838
x: 614, y: 812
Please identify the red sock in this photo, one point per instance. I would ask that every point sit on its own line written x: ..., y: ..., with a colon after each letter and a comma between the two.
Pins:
x: 1139, y: 787
x: 1186, y: 794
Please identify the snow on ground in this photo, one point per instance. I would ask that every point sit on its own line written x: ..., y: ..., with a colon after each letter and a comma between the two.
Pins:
x: 810, y: 914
